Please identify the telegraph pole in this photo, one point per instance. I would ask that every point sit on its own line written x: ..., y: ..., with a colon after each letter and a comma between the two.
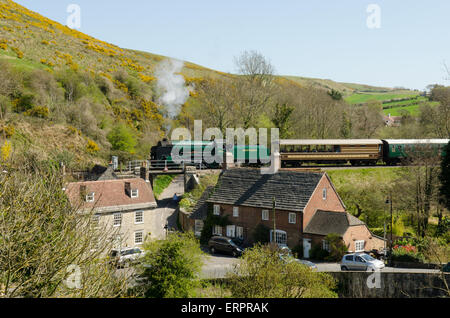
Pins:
x: 274, y: 222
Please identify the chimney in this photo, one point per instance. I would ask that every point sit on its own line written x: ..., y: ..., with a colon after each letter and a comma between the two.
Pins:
x: 143, y: 173
x: 128, y: 188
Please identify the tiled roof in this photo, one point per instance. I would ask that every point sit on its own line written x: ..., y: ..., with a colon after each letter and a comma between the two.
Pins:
x: 110, y: 195
x: 326, y: 222
x: 200, y: 210
x: 248, y: 187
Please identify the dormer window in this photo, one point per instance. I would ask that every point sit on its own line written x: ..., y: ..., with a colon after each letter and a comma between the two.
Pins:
x: 132, y: 193
x: 90, y: 197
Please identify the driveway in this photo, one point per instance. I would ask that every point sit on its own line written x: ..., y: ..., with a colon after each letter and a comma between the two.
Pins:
x: 165, y: 213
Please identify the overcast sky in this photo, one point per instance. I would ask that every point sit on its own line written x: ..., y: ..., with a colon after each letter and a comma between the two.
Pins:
x: 322, y: 39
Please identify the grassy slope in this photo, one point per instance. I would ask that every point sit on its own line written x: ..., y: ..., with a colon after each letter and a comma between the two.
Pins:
x: 50, y: 46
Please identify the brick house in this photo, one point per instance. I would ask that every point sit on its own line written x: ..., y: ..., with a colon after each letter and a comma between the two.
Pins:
x: 246, y: 198
x: 123, y: 207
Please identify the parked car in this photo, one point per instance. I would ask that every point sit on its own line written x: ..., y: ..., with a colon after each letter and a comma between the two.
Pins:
x: 446, y: 268
x: 224, y: 245
x: 362, y: 262
x: 125, y: 256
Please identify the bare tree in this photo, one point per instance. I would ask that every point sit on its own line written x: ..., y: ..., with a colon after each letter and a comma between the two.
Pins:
x: 255, y: 87
x: 367, y: 119
x: 44, y: 242
x: 217, y: 98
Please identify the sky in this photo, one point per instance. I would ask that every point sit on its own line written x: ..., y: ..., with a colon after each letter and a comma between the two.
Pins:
x: 405, y: 43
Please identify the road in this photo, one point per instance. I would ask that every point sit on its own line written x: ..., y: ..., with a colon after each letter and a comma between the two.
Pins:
x: 165, y: 213
x: 217, y: 266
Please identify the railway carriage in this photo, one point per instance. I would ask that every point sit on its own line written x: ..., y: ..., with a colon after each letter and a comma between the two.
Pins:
x: 404, y: 150
x: 331, y: 151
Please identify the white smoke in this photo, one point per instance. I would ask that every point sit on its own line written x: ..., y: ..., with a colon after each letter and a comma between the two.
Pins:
x: 171, y: 86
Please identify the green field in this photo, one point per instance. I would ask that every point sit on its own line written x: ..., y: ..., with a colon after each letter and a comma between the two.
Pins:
x: 360, y: 98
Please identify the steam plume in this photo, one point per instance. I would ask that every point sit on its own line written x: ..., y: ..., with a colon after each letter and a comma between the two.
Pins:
x: 171, y: 86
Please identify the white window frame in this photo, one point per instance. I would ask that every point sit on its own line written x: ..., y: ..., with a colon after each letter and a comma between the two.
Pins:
x: 292, y: 218
x: 136, y: 217
x: 217, y: 230
x: 239, y: 232
x: 95, y: 220
x: 90, y: 197
x: 326, y: 245
x: 231, y: 231
x: 117, y: 218
x: 357, y: 243
x: 216, y: 209
x: 235, y: 211
x: 134, y: 193
x: 280, y: 237
x: 198, y: 227
x: 142, y: 237
x: 265, y: 215
x: 324, y: 193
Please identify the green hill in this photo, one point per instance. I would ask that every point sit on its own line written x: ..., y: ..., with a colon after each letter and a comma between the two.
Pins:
x: 66, y: 96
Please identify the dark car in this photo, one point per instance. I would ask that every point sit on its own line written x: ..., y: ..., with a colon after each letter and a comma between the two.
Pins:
x: 224, y: 245
x: 446, y: 268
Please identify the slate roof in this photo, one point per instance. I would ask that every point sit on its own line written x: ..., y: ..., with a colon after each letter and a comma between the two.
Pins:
x: 200, y: 211
x: 248, y: 187
x: 326, y: 222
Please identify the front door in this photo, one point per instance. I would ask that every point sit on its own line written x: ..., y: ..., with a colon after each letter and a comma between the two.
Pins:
x: 306, y: 247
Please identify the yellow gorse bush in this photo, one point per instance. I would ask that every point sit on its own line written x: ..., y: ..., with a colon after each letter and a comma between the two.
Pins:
x: 6, y: 150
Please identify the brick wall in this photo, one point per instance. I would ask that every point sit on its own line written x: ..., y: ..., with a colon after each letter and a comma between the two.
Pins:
x: 250, y: 217
x: 361, y: 232
x: 316, y: 202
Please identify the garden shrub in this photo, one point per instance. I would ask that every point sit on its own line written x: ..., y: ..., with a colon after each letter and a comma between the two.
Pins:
x: 261, y: 234
x: 318, y: 253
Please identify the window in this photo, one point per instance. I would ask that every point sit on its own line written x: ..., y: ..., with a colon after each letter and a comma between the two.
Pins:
x: 117, y: 219
x: 325, y: 245
x: 235, y: 212
x: 217, y: 230
x: 280, y: 236
x: 95, y: 220
x: 324, y: 193
x: 198, y: 227
x: 292, y: 218
x: 349, y: 258
x: 359, y: 246
x: 239, y: 232
x: 139, y: 217
x: 216, y: 209
x: 231, y: 231
x: 90, y: 197
x: 138, y: 237
x: 265, y: 215
x: 134, y: 193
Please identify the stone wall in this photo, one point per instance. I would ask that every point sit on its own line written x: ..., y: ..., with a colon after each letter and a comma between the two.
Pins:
x: 392, y: 285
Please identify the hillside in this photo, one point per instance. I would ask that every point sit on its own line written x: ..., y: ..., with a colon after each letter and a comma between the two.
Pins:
x: 66, y: 96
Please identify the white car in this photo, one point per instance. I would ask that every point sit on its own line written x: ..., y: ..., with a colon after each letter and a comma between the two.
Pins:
x: 361, y: 262
x: 126, y: 256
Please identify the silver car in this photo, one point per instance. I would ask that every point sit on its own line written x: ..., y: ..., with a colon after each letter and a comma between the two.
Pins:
x: 361, y: 262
